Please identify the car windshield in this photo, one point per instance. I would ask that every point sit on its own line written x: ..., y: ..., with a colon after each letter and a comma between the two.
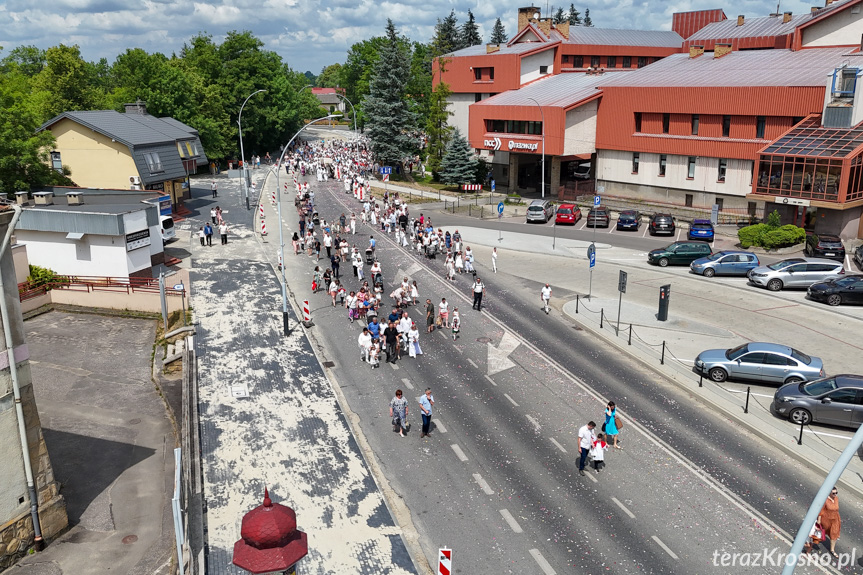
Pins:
x: 701, y: 226
x: 736, y: 352
x: 534, y: 208
x: 800, y: 356
x: 780, y: 265
x: 564, y: 211
x: 626, y: 218
x: 714, y: 257
x: 819, y: 387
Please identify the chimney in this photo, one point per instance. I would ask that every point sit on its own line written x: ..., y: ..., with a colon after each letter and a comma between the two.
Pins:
x: 740, y: 20
x: 22, y: 197
x: 491, y: 48
x: 44, y: 198
x: 136, y: 108
x: 526, y: 16
x: 721, y: 50
x: 786, y: 17
x: 74, y: 198
x: 563, y: 28
x: 696, y: 51
x: 814, y: 10
x: 827, y: 3
x: 545, y: 26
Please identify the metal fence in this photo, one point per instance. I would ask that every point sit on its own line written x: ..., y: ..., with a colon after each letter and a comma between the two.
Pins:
x: 728, y: 216
x: 28, y: 290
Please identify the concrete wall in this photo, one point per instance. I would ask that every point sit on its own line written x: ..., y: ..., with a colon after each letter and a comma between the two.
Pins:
x: 459, y: 105
x: 579, y: 136
x: 95, y: 160
x: 530, y: 65
x: 93, y: 255
x: 840, y: 29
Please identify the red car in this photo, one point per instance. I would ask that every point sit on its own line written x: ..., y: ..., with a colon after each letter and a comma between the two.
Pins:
x: 567, y: 214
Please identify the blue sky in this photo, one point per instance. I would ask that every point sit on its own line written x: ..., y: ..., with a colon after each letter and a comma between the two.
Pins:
x: 308, y: 34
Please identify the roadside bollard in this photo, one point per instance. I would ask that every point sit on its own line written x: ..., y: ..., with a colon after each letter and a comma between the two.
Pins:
x: 576, y: 303
x: 700, y: 380
x: 630, y: 335
x: 601, y: 317
x: 746, y: 407
x: 800, y: 439
x: 662, y: 360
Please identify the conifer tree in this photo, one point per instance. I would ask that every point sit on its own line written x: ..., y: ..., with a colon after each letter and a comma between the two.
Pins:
x: 559, y: 17
x: 438, y: 130
x: 469, y: 32
x: 498, y: 33
x: 587, y: 21
x: 574, y: 16
x: 458, y: 165
x: 446, y: 36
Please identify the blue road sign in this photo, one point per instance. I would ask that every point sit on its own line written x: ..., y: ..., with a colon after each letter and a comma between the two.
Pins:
x: 492, y: 185
x: 500, y: 207
x: 386, y: 170
x: 592, y: 259
x: 596, y: 201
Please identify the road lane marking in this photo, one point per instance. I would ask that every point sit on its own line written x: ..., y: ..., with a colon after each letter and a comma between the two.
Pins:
x: 534, y: 422
x: 439, y: 425
x: 543, y: 564
x: 664, y: 546
x: 623, y: 507
x: 822, y: 433
x: 491, y: 380
x: 483, y: 484
x: 470, y: 361
x: 590, y: 476
x: 510, y: 520
x: 458, y: 452
x: 511, y: 400
x: 407, y: 383
x: 394, y: 366
x: 558, y: 445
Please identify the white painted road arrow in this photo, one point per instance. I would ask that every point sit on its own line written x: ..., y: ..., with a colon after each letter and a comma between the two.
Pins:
x: 498, y: 357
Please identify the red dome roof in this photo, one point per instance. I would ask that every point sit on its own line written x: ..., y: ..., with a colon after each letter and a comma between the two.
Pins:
x: 270, y: 539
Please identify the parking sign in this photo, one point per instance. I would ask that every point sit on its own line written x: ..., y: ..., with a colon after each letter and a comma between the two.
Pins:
x: 596, y: 201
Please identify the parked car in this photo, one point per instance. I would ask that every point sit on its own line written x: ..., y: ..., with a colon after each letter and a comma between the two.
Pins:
x: 858, y: 256
x: 795, y: 273
x: 835, y: 400
x: 824, y: 246
x: 567, y: 214
x: 600, y: 216
x: 540, y: 211
x: 661, y: 224
x: 725, y: 263
x: 678, y: 254
x: 838, y: 291
x: 700, y: 230
x: 758, y: 361
x: 629, y: 220
x: 582, y: 171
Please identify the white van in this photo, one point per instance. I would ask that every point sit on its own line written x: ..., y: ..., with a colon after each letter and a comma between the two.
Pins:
x: 582, y: 171
x: 167, y: 228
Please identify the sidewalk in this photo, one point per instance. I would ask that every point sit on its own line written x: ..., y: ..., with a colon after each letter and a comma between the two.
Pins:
x: 269, y: 416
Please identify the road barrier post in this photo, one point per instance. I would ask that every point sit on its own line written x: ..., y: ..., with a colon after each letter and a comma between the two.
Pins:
x: 630, y: 335
x: 800, y: 439
x: 601, y: 317
x: 662, y: 360
x: 746, y: 407
x: 576, y: 304
x: 700, y: 378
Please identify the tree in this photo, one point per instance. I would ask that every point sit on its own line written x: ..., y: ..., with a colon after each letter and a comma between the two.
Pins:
x: 438, y: 130
x: 458, y: 165
x: 469, y: 32
x: 419, y: 88
x: 65, y: 83
x: 29, y: 60
x: 498, y: 33
x: 391, y: 122
x: 587, y: 21
x: 357, y: 72
x: 559, y: 17
x: 330, y: 76
x: 446, y: 36
x: 574, y: 16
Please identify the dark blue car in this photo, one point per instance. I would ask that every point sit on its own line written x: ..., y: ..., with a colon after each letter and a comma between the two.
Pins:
x: 700, y: 230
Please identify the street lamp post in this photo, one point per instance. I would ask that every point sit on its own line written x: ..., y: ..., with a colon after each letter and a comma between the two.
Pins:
x: 279, y: 193
x: 542, y: 116
x: 353, y: 112
x: 242, y: 153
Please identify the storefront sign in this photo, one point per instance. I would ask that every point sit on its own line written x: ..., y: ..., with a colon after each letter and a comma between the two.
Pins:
x: 137, y: 240
x: 792, y: 201
x: 159, y: 186
x: 495, y: 144
x: 164, y: 205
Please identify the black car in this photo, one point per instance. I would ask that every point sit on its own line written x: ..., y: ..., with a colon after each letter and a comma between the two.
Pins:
x: 600, y: 216
x: 661, y: 224
x: 858, y: 256
x: 825, y: 246
x: 629, y: 220
x: 834, y: 292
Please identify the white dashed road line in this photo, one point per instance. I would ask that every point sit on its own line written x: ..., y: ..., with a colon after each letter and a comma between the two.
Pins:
x: 510, y: 520
x: 440, y: 426
x: 407, y: 383
x: 534, y: 422
x: 511, y: 400
x: 623, y: 507
x: 558, y: 445
x: 482, y: 484
x: 491, y: 381
x: 470, y: 361
x: 543, y: 564
x: 664, y: 547
x: 458, y: 452
x: 589, y: 475
x: 394, y: 366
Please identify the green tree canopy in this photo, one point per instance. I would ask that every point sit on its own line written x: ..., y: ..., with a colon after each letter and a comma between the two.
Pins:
x: 559, y: 17
x: 330, y: 76
x: 574, y: 15
x: 469, y: 34
x: 498, y: 33
x: 447, y: 37
x: 587, y: 21
x: 459, y: 164
x: 437, y: 125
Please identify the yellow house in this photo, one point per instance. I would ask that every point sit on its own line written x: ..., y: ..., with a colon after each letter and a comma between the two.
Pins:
x: 133, y: 150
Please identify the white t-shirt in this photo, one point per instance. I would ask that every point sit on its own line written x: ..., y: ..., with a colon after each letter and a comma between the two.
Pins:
x: 546, y: 292
x: 443, y: 307
x: 478, y: 287
x: 586, y: 437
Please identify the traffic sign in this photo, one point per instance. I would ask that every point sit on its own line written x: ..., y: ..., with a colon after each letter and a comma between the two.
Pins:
x: 386, y: 177
x: 179, y: 287
x: 591, y: 254
x: 621, y: 282
x: 386, y: 170
x: 596, y: 201
x: 500, y: 207
x: 492, y: 185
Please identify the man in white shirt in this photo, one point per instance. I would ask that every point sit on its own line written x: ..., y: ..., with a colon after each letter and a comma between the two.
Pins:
x: 545, y: 296
x: 478, y: 292
x: 586, y: 437
x: 365, y: 343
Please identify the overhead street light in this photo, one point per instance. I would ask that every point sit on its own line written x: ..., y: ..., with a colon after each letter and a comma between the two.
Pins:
x: 242, y: 153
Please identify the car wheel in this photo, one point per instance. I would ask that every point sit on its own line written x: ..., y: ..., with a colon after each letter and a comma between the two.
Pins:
x: 663, y: 262
x: 794, y: 379
x: 834, y: 299
x: 709, y: 272
x: 718, y: 374
x: 774, y: 285
x: 800, y: 416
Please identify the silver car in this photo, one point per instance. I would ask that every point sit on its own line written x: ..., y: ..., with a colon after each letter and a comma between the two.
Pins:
x: 540, y: 211
x: 836, y: 400
x: 795, y: 273
x: 762, y: 362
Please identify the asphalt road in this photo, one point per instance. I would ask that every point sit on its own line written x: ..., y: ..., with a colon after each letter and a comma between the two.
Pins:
x: 508, y: 497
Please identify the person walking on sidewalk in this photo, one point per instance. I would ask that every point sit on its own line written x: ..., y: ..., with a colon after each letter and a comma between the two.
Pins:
x: 364, y: 341
x: 414, y: 342
x: 208, y: 231
x: 478, y: 292
x: 202, y: 235
x: 599, y: 448
x: 426, y: 402
x: 213, y: 188
x: 213, y: 215
x: 456, y: 323
x: 586, y: 438
x: 494, y: 259
x: 610, y: 427
x: 830, y: 520
x: 545, y: 297
x: 443, y: 312
x: 391, y: 338
x: 399, y: 413
x: 429, y: 316
x: 334, y: 262
x: 223, y: 232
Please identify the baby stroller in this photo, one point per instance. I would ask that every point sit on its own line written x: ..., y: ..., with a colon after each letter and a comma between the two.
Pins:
x: 431, y: 251
x: 370, y: 256
x: 377, y: 278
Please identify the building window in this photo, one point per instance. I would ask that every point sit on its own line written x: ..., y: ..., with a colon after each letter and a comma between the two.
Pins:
x: 514, y: 127
x: 477, y: 74
x: 662, y: 160
x: 666, y: 123
x: 56, y: 162
x: 491, y: 73
x: 718, y: 202
x: 694, y: 124
x: 760, y: 124
x: 723, y: 167
x: 477, y: 97
x: 642, y: 61
x: 594, y: 61
x: 687, y: 200
x: 691, y: 172
x: 637, y: 122
x: 578, y: 61
x: 543, y: 69
x: 627, y: 62
x: 635, y: 158
x: 726, y: 126
x: 611, y: 62
x: 796, y: 120
x: 153, y: 162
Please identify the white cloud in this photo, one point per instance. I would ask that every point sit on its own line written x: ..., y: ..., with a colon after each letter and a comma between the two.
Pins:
x: 308, y: 34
